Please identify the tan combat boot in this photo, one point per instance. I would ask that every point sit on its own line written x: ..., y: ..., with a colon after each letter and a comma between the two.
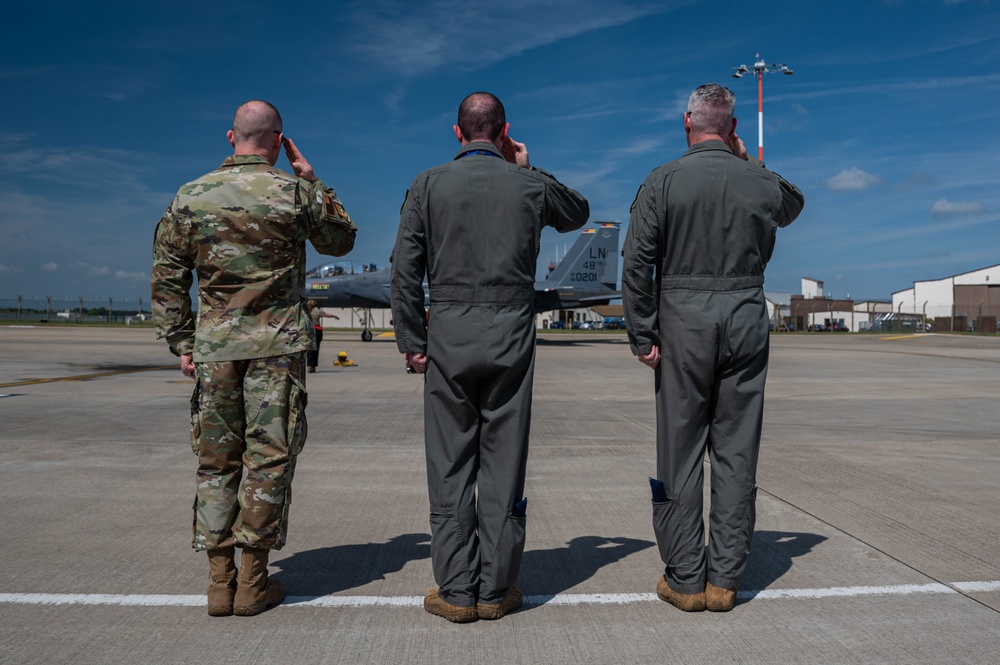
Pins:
x: 222, y: 581
x: 718, y: 599
x: 255, y: 592
x: 491, y: 611
x: 688, y: 602
x: 438, y: 606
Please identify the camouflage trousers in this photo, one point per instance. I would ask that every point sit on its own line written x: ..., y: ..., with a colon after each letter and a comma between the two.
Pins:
x: 246, y: 414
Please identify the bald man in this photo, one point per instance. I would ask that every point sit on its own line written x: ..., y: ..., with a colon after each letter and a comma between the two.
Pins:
x: 242, y: 229
x: 472, y: 226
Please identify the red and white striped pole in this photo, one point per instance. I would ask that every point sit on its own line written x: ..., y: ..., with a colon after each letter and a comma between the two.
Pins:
x: 760, y: 114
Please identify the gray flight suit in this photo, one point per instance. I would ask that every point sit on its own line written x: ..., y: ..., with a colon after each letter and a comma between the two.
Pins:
x: 701, y: 231
x: 473, y: 227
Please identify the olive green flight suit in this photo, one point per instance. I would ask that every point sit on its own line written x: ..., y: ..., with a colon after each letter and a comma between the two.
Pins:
x: 473, y: 227
x: 701, y: 232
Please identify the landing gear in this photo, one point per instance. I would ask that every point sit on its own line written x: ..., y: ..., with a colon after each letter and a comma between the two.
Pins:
x: 367, y: 321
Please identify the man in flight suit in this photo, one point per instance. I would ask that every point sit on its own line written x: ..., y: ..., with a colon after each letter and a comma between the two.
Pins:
x: 472, y: 226
x: 702, y: 229
x: 242, y: 228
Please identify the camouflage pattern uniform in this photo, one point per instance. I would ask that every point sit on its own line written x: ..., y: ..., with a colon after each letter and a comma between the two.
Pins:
x: 242, y: 229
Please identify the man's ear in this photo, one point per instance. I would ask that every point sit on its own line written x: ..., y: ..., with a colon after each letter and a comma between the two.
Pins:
x: 458, y: 134
x: 231, y: 137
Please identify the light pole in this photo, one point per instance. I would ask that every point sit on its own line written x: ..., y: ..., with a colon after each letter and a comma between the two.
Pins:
x: 759, y: 69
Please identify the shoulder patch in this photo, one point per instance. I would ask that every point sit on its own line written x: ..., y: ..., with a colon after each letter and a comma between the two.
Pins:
x: 636, y: 199
x: 333, y: 206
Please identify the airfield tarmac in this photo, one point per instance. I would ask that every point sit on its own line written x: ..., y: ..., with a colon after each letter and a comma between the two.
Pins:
x: 878, y: 536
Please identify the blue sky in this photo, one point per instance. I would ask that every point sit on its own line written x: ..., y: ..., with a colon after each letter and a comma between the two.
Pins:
x: 889, y: 125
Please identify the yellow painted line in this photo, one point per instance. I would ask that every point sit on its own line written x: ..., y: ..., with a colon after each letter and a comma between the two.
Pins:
x: 84, y: 377
x: 902, y: 337
x: 387, y: 334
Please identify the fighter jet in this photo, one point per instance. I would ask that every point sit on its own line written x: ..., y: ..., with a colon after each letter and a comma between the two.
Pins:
x: 586, y: 276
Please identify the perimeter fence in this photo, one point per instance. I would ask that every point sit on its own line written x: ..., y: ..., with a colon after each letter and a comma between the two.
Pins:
x: 75, y: 311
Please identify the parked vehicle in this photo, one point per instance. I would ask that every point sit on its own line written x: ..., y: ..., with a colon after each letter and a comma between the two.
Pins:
x: 614, y: 323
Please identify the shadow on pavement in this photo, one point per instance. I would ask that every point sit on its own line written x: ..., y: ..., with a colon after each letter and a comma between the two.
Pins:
x: 546, y: 573
x: 321, y: 572
x: 771, y: 556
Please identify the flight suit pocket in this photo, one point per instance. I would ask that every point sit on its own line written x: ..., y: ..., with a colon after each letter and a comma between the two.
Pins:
x: 663, y: 527
x: 297, y: 428
x: 196, y: 417
x: 745, y: 531
x: 510, y: 549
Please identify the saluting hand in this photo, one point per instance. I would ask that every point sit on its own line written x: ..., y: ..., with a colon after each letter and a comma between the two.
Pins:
x: 299, y: 164
x: 515, y: 153
x: 736, y: 145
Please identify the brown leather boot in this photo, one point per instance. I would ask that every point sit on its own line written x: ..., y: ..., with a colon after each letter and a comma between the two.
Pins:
x: 255, y: 592
x: 689, y: 602
x: 222, y: 581
x: 718, y: 599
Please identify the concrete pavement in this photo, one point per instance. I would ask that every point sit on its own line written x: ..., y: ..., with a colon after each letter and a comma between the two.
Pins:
x: 877, y: 537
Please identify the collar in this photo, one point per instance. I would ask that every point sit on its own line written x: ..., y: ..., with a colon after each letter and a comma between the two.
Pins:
x: 482, y: 146
x: 241, y: 160
x: 710, y: 144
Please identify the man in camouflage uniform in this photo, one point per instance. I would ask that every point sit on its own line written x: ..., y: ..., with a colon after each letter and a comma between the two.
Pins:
x: 242, y: 228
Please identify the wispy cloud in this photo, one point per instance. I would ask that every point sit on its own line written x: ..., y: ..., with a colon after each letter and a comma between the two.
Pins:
x: 445, y: 32
x: 853, y: 180
x: 133, y: 276
x: 946, y: 208
x: 51, y: 266
x: 5, y: 268
x: 112, y: 82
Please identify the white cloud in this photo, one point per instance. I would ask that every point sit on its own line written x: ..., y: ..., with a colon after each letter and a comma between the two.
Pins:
x: 132, y: 276
x: 944, y: 207
x: 7, y: 268
x: 852, y: 180
x: 51, y: 265
x: 99, y: 270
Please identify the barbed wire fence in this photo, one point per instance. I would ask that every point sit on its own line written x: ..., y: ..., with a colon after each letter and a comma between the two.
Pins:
x: 75, y: 311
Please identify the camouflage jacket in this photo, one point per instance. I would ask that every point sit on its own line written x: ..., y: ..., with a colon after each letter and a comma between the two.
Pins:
x: 242, y: 228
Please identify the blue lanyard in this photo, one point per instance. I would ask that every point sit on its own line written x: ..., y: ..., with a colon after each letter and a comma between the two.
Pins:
x: 479, y: 152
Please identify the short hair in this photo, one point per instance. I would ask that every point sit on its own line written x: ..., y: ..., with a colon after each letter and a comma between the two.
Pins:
x: 481, y: 116
x: 711, y: 109
x: 255, y: 121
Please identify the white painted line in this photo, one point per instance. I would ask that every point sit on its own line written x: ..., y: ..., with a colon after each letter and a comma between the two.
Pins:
x: 574, y: 599
x: 973, y: 587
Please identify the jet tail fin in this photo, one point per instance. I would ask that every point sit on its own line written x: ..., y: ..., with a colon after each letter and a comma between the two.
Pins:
x: 592, y: 261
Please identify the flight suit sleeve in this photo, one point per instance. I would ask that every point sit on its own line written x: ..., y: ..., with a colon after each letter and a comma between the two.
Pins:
x: 792, y: 201
x: 172, y: 276
x: 565, y: 209
x: 639, y: 263
x: 406, y: 280
x: 330, y: 229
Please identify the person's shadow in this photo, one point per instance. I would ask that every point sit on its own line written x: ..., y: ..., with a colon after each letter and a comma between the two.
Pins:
x: 321, y: 572
x: 546, y: 573
x: 771, y: 556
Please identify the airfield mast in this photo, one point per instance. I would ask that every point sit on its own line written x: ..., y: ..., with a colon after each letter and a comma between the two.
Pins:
x: 759, y: 69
